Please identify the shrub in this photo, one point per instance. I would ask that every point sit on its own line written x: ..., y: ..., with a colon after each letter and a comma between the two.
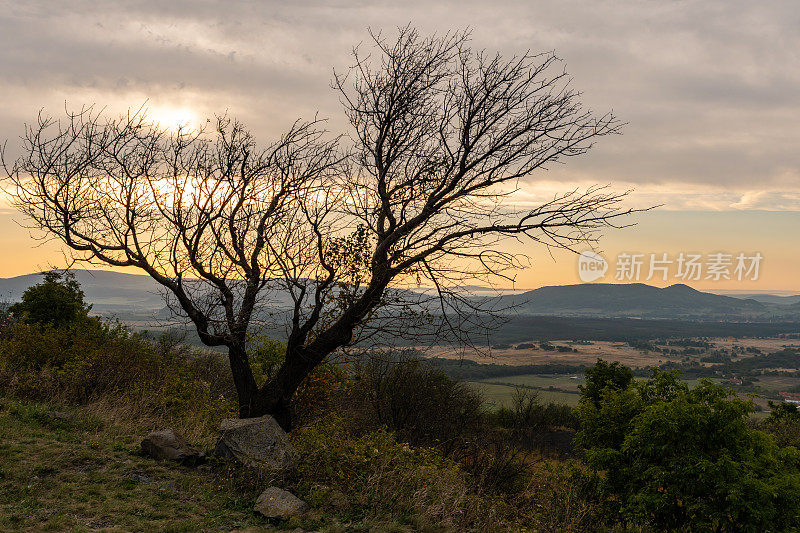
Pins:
x: 89, y: 361
x: 56, y: 301
x: 603, y: 375
x: 421, y: 403
x: 675, y: 458
x: 426, y: 408
x: 783, y: 423
x: 321, y: 393
x: 376, y: 476
x: 527, y: 415
x: 560, y: 497
x: 33, y: 346
x: 266, y: 356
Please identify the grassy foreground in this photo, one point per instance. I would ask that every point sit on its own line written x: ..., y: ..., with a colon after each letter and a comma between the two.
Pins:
x: 78, y: 469
x: 383, y: 445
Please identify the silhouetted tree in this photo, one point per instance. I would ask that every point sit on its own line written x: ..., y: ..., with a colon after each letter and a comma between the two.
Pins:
x: 439, y: 137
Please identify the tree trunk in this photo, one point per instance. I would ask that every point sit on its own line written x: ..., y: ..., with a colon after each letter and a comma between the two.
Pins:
x: 275, y: 397
x: 243, y: 380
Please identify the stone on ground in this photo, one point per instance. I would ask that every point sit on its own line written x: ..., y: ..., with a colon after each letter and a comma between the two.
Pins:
x: 256, y: 442
x: 279, y: 503
x: 166, y: 444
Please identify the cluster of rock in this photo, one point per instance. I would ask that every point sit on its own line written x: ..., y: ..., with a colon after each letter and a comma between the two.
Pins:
x: 254, y: 442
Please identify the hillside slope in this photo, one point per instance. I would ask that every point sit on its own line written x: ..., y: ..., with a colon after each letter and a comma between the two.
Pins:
x: 633, y: 300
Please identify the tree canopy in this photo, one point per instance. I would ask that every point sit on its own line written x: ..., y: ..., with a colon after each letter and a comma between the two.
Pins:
x: 678, y: 458
x: 416, y: 192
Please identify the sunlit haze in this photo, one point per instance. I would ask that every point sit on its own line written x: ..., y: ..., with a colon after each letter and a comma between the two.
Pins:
x: 708, y: 91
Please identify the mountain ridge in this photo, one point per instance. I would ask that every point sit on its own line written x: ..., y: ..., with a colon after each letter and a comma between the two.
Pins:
x: 630, y: 300
x: 111, y: 291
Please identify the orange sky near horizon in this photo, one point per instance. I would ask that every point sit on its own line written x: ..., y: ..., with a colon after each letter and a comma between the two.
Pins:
x: 656, y: 232
x: 708, y: 92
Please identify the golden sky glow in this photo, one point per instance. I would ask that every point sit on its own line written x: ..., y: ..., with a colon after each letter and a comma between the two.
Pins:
x: 658, y: 232
x: 708, y: 89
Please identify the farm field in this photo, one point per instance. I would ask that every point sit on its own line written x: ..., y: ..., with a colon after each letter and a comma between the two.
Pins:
x: 499, y: 391
x: 497, y: 395
x: 587, y: 354
x: 565, y: 383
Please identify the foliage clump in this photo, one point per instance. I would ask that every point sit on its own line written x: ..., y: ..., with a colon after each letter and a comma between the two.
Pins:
x: 671, y: 457
x: 783, y: 423
x: 57, y: 301
x: 51, y: 349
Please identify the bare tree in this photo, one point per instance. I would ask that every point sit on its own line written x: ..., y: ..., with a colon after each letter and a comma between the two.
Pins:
x: 416, y: 193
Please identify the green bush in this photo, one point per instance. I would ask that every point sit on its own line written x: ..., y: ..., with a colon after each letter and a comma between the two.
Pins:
x: 605, y: 375
x: 424, y: 407
x: 783, y: 423
x: 88, y: 361
x: 673, y: 458
x: 266, y: 356
x: 34, y: 346
x: 57, y: 301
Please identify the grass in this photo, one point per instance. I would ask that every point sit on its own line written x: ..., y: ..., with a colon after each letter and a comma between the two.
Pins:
x: 565, y: 383
x: 67, y: 468
x: 497, y: 395
x: 81, y: 472
x: 499, y: 391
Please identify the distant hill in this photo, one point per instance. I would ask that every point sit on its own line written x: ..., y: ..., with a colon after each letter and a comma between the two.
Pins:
x: 118, y: 293
x: 630, y: 300
x: 769, y: 298
x: 106, y: 290
x: 131, y: 294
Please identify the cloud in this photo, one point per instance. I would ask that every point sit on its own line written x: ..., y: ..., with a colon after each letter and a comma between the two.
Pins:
x: 709, y: 89
x: 681, y: 197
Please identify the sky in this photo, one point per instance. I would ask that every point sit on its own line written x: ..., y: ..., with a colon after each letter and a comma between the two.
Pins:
x: 710, y: 92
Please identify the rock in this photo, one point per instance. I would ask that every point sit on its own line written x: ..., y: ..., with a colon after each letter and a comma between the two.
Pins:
x: 256, y: 442
x: 166, y: 444
x: 279, y: 503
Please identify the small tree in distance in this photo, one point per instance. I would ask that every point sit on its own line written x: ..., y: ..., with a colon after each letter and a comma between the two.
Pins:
x: 56, y: 301
x: 603, y: 374
x: 440, y: 135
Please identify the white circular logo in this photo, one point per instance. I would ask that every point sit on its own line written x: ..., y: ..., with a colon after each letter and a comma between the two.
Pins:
x: 591, y: 266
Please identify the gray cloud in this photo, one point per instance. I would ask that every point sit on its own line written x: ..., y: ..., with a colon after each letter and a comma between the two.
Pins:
x: 709, y: 88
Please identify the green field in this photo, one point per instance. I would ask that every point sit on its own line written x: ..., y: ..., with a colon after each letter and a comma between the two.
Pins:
x: 499, y: 391
x: 540, y: 381
x: 497, y: 395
